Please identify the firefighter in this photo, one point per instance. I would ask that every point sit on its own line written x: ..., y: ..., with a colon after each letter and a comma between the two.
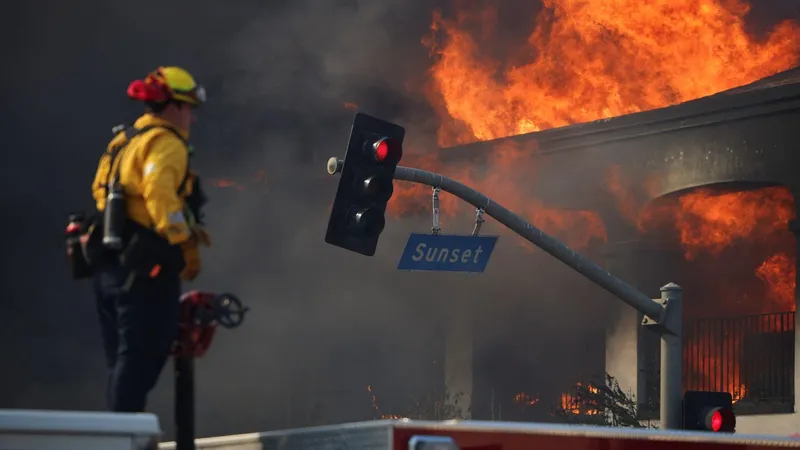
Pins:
x: 150, y: 239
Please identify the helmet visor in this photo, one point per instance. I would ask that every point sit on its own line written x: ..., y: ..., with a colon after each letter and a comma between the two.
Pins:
x: 195, y: 96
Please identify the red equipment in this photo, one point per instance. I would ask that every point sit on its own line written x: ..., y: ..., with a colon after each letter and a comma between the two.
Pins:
x: 407, y: 434
x: 200, y: 313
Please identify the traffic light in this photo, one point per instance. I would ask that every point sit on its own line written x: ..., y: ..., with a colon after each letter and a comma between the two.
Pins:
x: 366, y: 184
x: 708, y: 411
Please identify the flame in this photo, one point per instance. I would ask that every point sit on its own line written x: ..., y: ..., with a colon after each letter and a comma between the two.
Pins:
x: 573, y: 404
x: 711, y: 222
x: 720, y: 356
x: 707, y: 223
x: 778, y: 273
x: 708, y: 369
x: 525, y: 399
x: 350, y: 106
x: 595, y: 59
x: 738, y: 392
x: 589, y: 59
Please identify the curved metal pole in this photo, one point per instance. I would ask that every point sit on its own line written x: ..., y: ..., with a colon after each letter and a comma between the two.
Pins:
x: 666, y: 312
x: 537, y: 237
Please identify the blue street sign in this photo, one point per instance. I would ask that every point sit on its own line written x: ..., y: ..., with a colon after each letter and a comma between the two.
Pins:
x: 447, y: 253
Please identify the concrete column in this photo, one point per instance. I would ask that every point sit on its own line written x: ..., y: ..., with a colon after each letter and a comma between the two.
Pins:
x: 458, y: 361
x: 794, y: 226
x: 622, y: 348
x: 630, y: 349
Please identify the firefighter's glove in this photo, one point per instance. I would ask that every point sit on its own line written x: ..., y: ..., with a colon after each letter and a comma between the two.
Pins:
x: 191, y: 256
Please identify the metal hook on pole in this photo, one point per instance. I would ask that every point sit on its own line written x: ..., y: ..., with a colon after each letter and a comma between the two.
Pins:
x: 478, y: 221
x: 435, y: 230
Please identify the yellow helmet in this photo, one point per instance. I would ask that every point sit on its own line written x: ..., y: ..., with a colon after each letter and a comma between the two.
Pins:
x: 168, y: 83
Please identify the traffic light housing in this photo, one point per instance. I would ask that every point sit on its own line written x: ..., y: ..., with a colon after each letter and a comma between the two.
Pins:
x: 708, y: 411
x: 366, y: 184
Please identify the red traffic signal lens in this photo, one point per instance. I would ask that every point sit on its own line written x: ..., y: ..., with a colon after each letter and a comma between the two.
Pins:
x: 381, y: 150
x: 720, y: 419
x: 386, y: 149
x: 716, y: 421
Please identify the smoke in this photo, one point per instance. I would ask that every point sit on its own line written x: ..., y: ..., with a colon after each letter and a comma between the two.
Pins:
x: 324, y: 323
x: 313, y: 328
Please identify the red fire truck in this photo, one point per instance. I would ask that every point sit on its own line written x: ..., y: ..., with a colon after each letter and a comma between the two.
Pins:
x: 407, y: 434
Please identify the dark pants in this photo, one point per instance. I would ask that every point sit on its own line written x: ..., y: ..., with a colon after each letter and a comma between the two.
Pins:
x: 139, y: 322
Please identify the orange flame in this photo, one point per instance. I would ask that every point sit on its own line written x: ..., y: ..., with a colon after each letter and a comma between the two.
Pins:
x: 709, y: 222
x: 738, y: 392
x: 595, y: 59
x: 707, y: 369
x: 712, y: 222
x: 778, y: 273
x: 575, y: 405
x: 590, y: 59
x: 525, y: 399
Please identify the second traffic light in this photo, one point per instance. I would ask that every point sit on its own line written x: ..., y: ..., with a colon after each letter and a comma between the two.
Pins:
x: 366, y: 184
x: 708, y: 411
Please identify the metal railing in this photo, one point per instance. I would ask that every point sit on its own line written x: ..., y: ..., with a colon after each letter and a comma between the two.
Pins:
x: 752, y: 357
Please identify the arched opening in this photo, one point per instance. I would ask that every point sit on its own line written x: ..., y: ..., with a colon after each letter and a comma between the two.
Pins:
x: 738, y: 275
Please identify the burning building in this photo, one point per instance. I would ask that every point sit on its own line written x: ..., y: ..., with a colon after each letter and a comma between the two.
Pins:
x: 668, y: 162
x: 721, y: 225
x: 702, y: 194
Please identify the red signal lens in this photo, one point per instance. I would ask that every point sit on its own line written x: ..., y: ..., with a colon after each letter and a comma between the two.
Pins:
x: 716, y: 421
x: 381, y: 150
x: 386, y: 150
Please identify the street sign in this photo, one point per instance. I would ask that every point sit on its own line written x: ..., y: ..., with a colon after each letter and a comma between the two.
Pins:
x: 447, y: 253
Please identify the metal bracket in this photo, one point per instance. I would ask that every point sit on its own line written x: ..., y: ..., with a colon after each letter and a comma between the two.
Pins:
x: 670, y: 320
x: 478, y: 221
x: 435, y: 229
x: 655, y: 324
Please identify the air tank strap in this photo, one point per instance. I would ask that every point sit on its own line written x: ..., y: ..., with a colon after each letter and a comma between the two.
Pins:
x: 130, y: 133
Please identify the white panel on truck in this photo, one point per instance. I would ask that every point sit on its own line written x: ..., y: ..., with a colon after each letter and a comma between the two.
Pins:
x: 76, y: 430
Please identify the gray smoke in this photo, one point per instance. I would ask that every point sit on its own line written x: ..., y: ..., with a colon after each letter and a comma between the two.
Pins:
x: 324, y: 323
